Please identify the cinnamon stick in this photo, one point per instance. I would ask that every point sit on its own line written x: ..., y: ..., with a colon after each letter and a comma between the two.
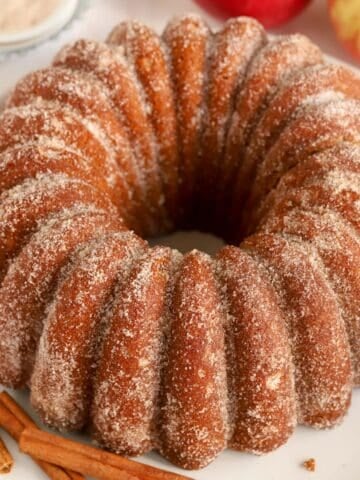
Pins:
x: 13, y: 419
x: 10, y: 423
x: 6, y: 460
x: 88, y: 460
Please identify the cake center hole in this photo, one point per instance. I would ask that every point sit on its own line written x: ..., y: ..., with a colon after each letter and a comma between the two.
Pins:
x: 185, y: 241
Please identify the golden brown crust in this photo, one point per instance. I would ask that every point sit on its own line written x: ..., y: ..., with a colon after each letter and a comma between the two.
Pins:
x: 68, y: 351
x: 128, y: 376
x: 108, y: 66
x: 24, y: 207
x: 323, y: 376
x: 41, y: 124
x: 187, y: 41
x: 231, y: 51
x: 314, y: 129
x: 21, y: 305
x: 194, y: 419
x: 145, y: 51
x: 275, y: 62
x: 339, y: 249
x: 312, y: 83
x: 260, y: 369
x: 61, y: 88
x: 328, y: 180
x: 22, y: 162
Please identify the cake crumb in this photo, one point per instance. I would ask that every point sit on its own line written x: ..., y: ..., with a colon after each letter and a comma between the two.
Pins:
x: 310, y: 465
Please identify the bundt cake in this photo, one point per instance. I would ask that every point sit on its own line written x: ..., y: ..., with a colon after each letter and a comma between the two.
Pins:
x: 253, y: 139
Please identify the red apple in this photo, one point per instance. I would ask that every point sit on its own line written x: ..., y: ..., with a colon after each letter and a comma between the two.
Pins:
x: 345, y: 16
x: 270, y: 13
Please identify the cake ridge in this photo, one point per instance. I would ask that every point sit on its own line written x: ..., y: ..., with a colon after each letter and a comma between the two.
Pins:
x: 98, y: 265
x: 146, y: 56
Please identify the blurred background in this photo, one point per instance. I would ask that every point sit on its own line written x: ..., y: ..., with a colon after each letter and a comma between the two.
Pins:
x: 31, y: 31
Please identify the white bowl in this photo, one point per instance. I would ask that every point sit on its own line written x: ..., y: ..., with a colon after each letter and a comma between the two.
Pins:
x: 50, y: 26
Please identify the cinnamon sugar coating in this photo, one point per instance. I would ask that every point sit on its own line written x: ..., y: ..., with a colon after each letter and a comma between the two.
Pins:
x: 187, y: 41
x: 83, y: 293
x: 127, y: 383
x: 147, y: 55
x: 193, y: 399
x: 231, y: 132
x: 260, y: 368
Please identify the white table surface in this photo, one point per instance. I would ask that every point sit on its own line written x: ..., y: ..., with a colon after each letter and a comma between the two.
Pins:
x: 336, y: 451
